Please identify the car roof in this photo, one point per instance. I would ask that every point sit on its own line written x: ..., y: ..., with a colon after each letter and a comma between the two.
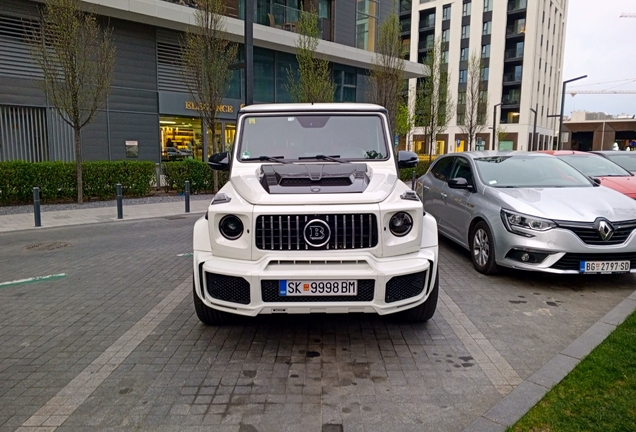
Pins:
x: 564, y: 152
x: 496, y: 153
x: 614, y: 152
x: 311, y: 107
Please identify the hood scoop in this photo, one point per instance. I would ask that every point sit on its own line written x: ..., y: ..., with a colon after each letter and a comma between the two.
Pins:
x: 314, y: 178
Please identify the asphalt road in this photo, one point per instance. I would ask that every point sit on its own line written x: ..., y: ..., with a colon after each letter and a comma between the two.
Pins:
x: 114, y: 343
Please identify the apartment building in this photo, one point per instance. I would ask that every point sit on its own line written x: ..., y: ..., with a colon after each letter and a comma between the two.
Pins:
x: 521, y: 43
x: 149, y: 108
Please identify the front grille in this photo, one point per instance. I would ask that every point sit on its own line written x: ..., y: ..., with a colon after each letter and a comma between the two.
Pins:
x: 228, y: 288
x: 287, y: 232
x: 589, y: 234
x: 269, y: 291
x: 405, y: 286
x: 572, y: 261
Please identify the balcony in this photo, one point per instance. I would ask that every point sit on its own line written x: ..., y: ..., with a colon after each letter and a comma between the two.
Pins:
x: 510, y: 101
x: 513, y: 54
x: 512, y: 78
x: 516, y: 30
x: 427, y: 24
x: 405, y: 25
x: 286, y: 18
x: 517, y: 6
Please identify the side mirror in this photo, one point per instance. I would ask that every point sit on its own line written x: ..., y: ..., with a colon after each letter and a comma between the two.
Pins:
x: 596, y: 180
x: 459, y: 183
x: 219, y: 161
x: 407, y: 159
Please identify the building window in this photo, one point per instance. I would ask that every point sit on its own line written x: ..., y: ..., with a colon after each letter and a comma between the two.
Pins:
x: 465, y: 31
x: 366, y: 24
x: 461, y: 98
x: 487, y: 5
x: 446, y: 12
x: 445, y: 35
x: 487, y: 28
x: 463, y: 74
x: 485, y: 51
x: 345, y: 78
x: 463, y: 54
x: 461, y: 119
x: 444, y: 57
x: 466, y: 9
x: 484, y: 73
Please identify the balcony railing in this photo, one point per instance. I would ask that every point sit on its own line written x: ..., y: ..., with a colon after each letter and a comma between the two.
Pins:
x: 514, y: 53
x: 286, y: 18
x: 516, y: 29
x: 405, y: 25
x: 517, y: 5
x: 427, y: 23
x: 510, y: 99
x: 512, y: 77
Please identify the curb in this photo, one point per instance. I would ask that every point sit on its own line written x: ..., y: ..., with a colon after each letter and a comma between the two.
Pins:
x: 518, y: 402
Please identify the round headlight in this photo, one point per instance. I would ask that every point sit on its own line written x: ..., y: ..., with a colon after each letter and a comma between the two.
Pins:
x: 400, y: 224
x: 231, y: 227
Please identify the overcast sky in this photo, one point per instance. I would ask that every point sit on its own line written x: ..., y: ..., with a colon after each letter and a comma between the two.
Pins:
x: 601, y: 45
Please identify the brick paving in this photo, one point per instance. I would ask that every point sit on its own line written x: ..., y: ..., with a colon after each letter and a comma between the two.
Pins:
x: 115, y: 345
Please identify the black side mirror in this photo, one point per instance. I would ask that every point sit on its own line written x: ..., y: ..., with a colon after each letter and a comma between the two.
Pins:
x: 407, y: 159
x: 459, y: 183
x: 219, y: 161
x: 596, y: 180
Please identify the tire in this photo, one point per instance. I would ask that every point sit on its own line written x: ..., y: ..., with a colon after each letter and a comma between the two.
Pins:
x: 426, y: 310
x: 207, y: 315
x: 482, y: 249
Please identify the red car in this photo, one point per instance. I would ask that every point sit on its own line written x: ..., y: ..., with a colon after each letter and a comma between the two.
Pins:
x: 609, y: 173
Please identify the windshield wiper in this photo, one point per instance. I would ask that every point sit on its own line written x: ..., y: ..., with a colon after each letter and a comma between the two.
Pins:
x: 266, y: 158
x: 331, y: 158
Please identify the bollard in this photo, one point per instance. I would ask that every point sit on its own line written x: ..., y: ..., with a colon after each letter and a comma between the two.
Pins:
x: 187, y: 196
x: 120, y: 209
x: 413, y: 180
x: 36, y: 206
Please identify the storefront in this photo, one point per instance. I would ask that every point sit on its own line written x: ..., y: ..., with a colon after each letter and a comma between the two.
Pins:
x: 181, y: 127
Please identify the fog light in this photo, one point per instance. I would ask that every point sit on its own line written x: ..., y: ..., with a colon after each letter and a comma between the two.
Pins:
x: 525, y: 257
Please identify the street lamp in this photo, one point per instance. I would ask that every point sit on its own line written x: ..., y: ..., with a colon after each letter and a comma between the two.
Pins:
x: 534, y: 129
x: 559, y: 143
x: 494, y: 125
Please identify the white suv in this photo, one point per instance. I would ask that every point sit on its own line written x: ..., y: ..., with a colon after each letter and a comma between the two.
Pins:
x: 314, y: 219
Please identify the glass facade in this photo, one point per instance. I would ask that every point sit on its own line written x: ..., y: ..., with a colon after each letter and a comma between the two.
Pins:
x: 366, y: 24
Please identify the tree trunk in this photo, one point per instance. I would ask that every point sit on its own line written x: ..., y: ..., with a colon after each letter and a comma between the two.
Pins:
x: 78, y: 166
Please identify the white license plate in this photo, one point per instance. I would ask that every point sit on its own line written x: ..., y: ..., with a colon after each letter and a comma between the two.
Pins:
x: 605, y: 266
x: 318, y: 288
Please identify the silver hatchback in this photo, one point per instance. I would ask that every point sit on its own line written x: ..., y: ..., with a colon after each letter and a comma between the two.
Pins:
x: 529, y: 211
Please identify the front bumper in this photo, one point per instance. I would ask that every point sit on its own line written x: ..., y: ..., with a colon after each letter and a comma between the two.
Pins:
x: 561, y: 250
x: 385, y: 285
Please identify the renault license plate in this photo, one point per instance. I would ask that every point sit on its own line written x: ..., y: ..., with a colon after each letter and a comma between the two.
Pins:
x: 605, y: 267
x: 318, y: 288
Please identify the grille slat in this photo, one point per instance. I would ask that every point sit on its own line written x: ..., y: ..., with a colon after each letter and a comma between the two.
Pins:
x: 589, y: 234
x: 348, y: 231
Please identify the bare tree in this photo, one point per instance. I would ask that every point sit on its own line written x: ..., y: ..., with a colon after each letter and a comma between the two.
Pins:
x: 77, y: 58
x: 313, y: 83
x: 475, y: 109
x: 386, y: 83
x: 434, y: 105
x: 206, y: 57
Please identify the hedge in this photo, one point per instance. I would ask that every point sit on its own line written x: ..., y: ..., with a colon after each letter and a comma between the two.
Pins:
x: 199, y: 174
x: 57, y: 180
x: 406, y: 174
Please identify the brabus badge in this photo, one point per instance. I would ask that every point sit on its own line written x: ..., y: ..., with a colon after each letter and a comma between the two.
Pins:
x: 317, y: 233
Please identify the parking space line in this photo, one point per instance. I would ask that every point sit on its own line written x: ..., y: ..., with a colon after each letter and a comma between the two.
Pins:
x: 31, y: 280
x: 60, y: 407
x: 494, y: 365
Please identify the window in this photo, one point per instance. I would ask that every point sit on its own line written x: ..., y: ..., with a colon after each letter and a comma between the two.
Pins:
x: 487, y: 5
x: 484, y: 73
x: 446, y: 12
x: 487, y: 28
x: 466, y: 9
x: 461, y: 98
x: 463, y: 54
x: 445, y: 35
x: 465, y: 31
x: 463, y: 74
x: 462, y: 169
x: 461, y: 119
x: 441, y: 170
x: 345, y: 79
x: 485, y: 51
x: 366, y: 24
x: 444, y: 57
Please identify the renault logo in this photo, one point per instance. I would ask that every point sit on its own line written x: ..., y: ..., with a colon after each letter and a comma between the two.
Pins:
x: 605, y: 230
x: 317, y: 233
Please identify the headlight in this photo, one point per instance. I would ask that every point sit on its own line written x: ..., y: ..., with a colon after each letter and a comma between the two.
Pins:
x: 512, y: 221
x: 231, y: 227
x: 400, y: 224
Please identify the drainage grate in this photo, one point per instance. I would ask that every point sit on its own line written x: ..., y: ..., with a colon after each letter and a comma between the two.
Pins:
x: 46, y: 246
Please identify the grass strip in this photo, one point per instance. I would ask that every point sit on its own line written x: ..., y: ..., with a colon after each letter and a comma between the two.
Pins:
x: 598, y: 395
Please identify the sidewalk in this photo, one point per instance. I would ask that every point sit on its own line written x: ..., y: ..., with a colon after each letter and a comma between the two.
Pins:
x: 25, y: 221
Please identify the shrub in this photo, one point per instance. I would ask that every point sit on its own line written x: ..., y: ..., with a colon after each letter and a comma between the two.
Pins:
x: 406, y: 174
x: 201, y: 177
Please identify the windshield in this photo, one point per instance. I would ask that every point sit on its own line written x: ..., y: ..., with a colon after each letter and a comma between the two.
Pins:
x: 594, y: 166
x: 349, y: 137
x: 627, y: 161
x: 529, y: 172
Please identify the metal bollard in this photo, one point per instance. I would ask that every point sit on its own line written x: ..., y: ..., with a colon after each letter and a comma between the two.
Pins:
x: 413, y: 180
x: 187, y: 196
x: 36, y: 206
x: 120, y: 209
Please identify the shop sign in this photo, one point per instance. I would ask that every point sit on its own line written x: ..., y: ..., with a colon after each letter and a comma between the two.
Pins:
x: 201, y: 106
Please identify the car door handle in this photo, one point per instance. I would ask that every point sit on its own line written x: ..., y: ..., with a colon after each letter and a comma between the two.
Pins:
x: 443, y: 195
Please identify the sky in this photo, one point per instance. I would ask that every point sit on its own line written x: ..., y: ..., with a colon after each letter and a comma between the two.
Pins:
x: 601, y: 45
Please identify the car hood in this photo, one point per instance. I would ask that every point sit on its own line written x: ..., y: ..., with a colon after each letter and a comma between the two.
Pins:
x: 625, y: 185
x: 583, y: 204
